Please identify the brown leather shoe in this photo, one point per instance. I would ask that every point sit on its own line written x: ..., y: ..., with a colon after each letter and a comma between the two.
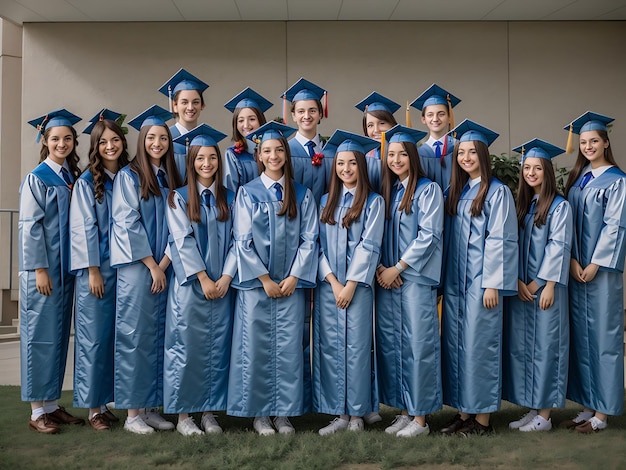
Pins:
x: 588, y: 427
x: 108, y: 414
x: 60, y: 416
x: 471, y: 426
x: 44, y: 425
x: 570, y: 424
x: 100, y: 423
x: 454, y: 425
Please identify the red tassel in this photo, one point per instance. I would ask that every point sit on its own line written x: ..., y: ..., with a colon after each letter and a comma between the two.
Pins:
x: 285, y: 109
x: 444, y: 152
x: 325, y: 104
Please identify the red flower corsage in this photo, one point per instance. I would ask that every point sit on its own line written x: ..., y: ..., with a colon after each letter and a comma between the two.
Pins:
x: 316, y: 160
x: 239, y: 148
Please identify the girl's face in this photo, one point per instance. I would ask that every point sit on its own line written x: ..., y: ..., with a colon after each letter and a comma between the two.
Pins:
x: 60, y: 143
x: 346, y: 168
x: 188, y: 105
x: 306, y: 115
x: 532, y: 171
x: 592, y: 147
x: 110, y: 146
x: 157, y: 142
x: 375, y: 126
x: 467, y: 159
x: 273, y: 156
x: 206, y: 164
x: 398, y: 160
x: 247, y: 121
x: 436, y: 119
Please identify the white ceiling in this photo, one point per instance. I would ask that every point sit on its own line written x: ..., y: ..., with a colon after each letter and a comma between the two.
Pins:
x: 28, y: 11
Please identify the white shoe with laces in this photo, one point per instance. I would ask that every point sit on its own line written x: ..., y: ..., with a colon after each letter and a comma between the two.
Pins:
x: 137, y: 426
x: 401, y: 422
x: 187, y: 427
x: 356, y: 425
x: 263, y: 425
x: 210, y: 425
x: 413, y: 429
x: 336, y: 425
x: 373, y: 417
x: 153, y: 419
x: 538, y: 423
x: 524, y: 420
x: 283, y: 425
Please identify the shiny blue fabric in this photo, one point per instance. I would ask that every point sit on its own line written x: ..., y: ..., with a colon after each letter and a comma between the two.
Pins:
x: 180, y: 154
x: 316, y: 178
x: 597, y: 308
x: 94, y: 318
x: 239, y: 169
x: 432, y: 166
x: 407, y: 322
x: 43, y: 242
x: 197, y: 331
x: 536, y: 342
x: 139, y: 230
x: 342, y: 338
x: 479, y: 252
x: 267, y: 361
x: 374, y: 168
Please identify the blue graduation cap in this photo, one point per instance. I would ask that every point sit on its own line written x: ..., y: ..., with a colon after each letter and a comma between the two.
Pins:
x: 182, y: 80
x: 304, y: 90
x: 539, y: 149
x: 101, y: 116
x: 399, y: 133
x: 589, y: 121
x: 329, y: 150
x: 270, y: 130
x: 349, y: 141
x: 248, y: 98
x: 56, y: 118
x: 375, y: 102
x: 153, y: 116
x: 435, y: 95
x: 469, y: 130
x: 202, y: 135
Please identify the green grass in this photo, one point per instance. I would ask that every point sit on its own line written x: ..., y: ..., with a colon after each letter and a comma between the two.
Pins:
x: 240, y: 448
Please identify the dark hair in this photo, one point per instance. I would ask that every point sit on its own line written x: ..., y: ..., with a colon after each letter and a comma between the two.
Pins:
x: 95, y: 159
x: 175, y: 99
x: 237, y: 137
x: 582, y: 162
x: 141, y: 165
x: 459, y: 178
x: 363, y: 188
x: 290, y: 206
x: 525, y: 195
x: 380, y: 114
x: 72, y: 159
x: 389, y: 178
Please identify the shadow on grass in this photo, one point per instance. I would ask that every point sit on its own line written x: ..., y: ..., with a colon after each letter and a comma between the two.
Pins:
x: 240, y: 448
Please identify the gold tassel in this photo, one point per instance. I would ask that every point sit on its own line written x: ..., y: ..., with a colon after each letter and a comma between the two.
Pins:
x: 382, y: 145
x: 569, y: 148
x: 450, y: 112
x: 285, y: 109
x: 408, y: 115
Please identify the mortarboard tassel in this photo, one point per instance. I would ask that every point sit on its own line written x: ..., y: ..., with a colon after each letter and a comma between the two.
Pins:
x: 569, y: 148
x: 408, y: 115
x: 285, y: 109
x: 382, y: 145
x: 169, y: 95
x: 40, y: 129
x: 325, y: 104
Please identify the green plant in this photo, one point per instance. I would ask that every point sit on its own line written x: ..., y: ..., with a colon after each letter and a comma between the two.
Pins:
x: 506, y: 169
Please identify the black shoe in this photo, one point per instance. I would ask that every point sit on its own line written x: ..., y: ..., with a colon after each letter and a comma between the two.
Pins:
x: 473, y: 427
x: 456, y: 423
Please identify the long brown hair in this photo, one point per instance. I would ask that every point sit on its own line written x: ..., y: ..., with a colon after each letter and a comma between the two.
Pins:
x: 141, y: 165
x: 546, y: 195
x: 582, y: 162
x: 237, y: 137
x: 460, y: 177
x: 389, y: 178
x: 95, y: 159
x: 290, y: 205
x: 363, y: 188
x: 72, y: 159
x: 382, y: 115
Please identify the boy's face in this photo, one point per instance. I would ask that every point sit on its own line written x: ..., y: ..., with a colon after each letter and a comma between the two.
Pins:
x: 306, y: 115
x: 187, y: 106
x: 436, y: 119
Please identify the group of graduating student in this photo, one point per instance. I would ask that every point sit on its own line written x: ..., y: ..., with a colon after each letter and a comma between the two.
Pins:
x: 194, y: 276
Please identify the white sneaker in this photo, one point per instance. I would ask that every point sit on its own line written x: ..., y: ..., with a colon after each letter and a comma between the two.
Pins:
x: 373, y: 417
x: 524, y: 420
x: 597, y: 424
x: 210, y: 425
x: 263, y: 426
x: 413, y: 429
x: 188, y: 428
x: 356, y: 425
x: 401, y: 422
x: 337, y: 424
x: 538, y: 423
x: 283, y: 425
x: 137, y: 426
x: 153, y: 419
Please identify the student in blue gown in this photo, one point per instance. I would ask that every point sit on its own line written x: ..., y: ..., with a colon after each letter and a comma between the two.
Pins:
x: 200, y: 304
x: 407, y: 321
x: 46, y: 284
x: 596, y: 190
x: 436, y: 105
x: 377, y: 118
x: 480, y: 267
x: 275, y: 231
x: 138, y: 242
x: 536, y: 323
x: 90, y: 224
x: 352, y: 218
x: 240, y: 165
x: 186, y: 101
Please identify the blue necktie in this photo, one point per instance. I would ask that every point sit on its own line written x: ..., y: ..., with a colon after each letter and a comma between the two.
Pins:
x: 533, y: 206
x: 66, y: 176
x: 400, y: 192
x: 162, y: 179
x: 206, y: 197
x: 311, y: 147
x: 278, y: 190
x: 437, y: 146
x: 108, y: 183
x: 347, y: 199
x: 588, y: 177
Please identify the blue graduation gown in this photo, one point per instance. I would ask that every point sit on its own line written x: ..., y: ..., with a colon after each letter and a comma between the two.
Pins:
x: 314, y: 177
x: 139, y: 230
x: 239, y: 169
x: 536, y: 342
x: 180, y: 154
x: 372, y: 158
x: 267, y: 363
x: 432, y: 166
x: 597, y: 308
x: 197, y: 331
x: 407, y: 322
x: 480, y: 252
x: 342, y: 338
x: 43, y: 232
x: 94, y: 321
